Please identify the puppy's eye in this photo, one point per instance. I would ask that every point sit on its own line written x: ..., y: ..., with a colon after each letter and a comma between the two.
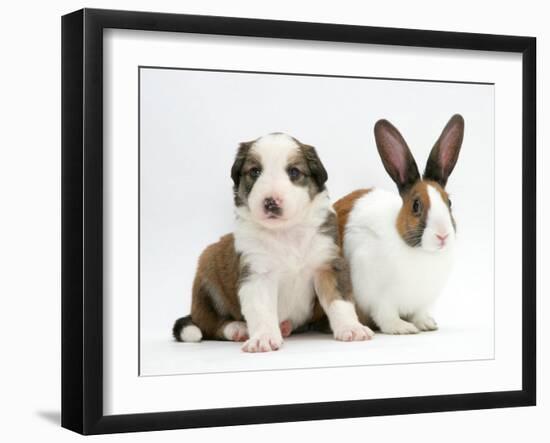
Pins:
x: 417, y: 206
x: 254, y: 172
x: 294, y: 173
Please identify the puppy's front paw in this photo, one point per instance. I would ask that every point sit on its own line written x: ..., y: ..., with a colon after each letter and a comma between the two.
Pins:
x: 398, y: 327
x: 353, y: 332
x: 425, y: 323
x: 263, y: 342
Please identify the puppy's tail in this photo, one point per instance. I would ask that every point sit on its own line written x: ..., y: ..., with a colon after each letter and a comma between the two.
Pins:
x: 185, y: 330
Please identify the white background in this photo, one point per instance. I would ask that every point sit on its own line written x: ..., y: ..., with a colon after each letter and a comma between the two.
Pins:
x: 30, y: 183
x: 191, y: 123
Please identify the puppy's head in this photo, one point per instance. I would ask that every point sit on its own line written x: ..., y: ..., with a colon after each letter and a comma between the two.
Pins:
x: 275, y: 179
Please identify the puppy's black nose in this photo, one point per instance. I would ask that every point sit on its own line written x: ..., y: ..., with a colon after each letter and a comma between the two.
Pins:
x: 271, y: 206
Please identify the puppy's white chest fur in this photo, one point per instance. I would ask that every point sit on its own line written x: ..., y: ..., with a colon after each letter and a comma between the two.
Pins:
x: 286, y: 261
x: 305, y: 251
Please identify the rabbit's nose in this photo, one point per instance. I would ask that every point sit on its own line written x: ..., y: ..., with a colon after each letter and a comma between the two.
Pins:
x: 442, y: 238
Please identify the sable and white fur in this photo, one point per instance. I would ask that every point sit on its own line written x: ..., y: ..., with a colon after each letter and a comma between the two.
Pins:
x: 400, y: 247
x: 283, y: 259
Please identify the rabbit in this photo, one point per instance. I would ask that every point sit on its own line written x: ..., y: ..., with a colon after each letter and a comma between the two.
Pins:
x: 400, y: 247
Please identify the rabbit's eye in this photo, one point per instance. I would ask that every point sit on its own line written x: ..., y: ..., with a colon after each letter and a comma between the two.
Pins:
x: 417, y: 206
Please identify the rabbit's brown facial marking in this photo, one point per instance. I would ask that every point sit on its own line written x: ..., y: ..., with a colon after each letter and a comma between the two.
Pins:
x: 411, y: 220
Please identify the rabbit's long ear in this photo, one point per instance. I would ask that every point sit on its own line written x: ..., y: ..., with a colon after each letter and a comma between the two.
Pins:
x: 445, y: 152
x: 396, y: 156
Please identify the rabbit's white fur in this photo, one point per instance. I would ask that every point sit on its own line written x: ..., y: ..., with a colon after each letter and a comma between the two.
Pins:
x: 392, y: 280
x: 400, y: 246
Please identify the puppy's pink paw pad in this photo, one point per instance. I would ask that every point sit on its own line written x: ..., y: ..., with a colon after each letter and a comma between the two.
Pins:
x: 237, y: 336
x: 286, y: 328
x: 236, y: 331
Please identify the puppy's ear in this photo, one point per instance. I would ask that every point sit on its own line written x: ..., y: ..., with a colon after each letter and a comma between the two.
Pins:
x: 316, y: 168
x: 238, y: 164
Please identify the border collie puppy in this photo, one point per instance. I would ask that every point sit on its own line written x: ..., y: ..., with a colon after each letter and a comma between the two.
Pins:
x: 281, y: 268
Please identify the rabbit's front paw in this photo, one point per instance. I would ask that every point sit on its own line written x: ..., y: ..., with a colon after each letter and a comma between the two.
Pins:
x: 399, y: 326
x: 424, y: 323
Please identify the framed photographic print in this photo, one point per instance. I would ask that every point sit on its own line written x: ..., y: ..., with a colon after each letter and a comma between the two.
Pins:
x: 269, y: 221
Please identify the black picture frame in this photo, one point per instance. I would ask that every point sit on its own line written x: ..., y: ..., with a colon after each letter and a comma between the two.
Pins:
x: 82, y: 220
